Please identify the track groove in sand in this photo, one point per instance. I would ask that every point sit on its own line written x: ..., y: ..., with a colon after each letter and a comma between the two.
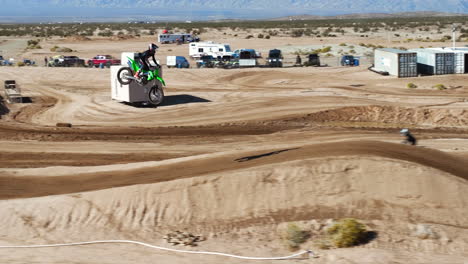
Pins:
x: 39, y: 184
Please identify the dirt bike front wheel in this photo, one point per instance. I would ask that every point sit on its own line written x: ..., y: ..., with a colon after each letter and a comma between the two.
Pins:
x: 123, y: 74
x: 156, y: 95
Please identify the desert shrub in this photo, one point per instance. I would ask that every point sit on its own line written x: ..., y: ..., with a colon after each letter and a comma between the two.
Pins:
x: 260, y: 36
x: 439, y: 87
x: 326, y: 49
x: 249, y: 37
x: 323, y: 244
x: 294, y: 236
x: 296, y: 33
x: 106, y: 33
x: 267, y: 37
x: 34, y: 44
x: 343, y: 44
x: 352, y: 51
x: 411, y: 85
x: 20, y: 64
x: 347, y: 232
x: 60, y: 49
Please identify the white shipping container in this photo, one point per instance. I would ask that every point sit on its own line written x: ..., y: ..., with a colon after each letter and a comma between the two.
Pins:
x: 396, y: 62
x: 435, y: 62
x: 461, y: 58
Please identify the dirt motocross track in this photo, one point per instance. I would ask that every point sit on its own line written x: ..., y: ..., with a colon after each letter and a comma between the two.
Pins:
x: 233, y: 154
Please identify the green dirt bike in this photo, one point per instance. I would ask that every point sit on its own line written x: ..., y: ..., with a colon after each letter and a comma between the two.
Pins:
x: 126, y: 75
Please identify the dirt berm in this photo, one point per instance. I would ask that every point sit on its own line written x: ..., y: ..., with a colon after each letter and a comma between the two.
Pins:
x: 22, y: 183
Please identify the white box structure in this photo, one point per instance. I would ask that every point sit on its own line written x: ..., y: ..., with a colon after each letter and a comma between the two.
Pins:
x: 124, y: 57
x: 130, y: 93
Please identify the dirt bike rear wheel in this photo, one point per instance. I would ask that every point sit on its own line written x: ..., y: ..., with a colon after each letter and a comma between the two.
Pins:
x: 122, y: 75
x: 156, y: 95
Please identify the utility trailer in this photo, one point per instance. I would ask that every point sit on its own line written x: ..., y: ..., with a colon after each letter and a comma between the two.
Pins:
x: 13, y: 92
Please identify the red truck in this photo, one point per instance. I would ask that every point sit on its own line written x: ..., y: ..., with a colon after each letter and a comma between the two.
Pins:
x: 106, y: 60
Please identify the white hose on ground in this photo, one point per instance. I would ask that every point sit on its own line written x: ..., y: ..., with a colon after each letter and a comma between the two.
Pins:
x: 160, y: 248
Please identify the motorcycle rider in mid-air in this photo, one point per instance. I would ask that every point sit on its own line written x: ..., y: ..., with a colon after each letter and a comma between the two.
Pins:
x: 143, y: 59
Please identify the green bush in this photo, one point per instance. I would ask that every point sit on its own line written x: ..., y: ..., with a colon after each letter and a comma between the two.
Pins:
x: 346, y: 233
x: 439, y: 87
x: 343, y: 44
x: 326, y: 49
x: 260, y: 36
x: 294, y: 236
x: 411, y: 85
x: 20, y: 64
x: 296, y: 33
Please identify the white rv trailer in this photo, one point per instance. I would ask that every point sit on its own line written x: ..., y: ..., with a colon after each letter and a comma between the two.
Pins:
x: 173, y: 38
x: 196, y: 50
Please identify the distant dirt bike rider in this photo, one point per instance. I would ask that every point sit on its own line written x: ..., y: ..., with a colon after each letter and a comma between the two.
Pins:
x: 410, y: 139
x: 143, y: 59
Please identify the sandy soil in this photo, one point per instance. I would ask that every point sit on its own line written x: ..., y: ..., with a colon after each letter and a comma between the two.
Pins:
x: 233, y: 155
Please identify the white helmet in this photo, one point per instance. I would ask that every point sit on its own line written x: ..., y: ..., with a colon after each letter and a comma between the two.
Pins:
x: 404, y: 131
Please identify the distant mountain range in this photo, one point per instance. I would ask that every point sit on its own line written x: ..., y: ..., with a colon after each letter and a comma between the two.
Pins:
x: 370, y: 15
x: 216, y: 9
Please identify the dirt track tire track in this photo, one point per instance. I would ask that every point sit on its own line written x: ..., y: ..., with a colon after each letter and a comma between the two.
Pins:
x: 40, y: 185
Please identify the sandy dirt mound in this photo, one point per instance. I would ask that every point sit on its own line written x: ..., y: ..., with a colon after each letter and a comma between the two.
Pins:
x: 394, y: 115
x: 49, y: 181
x: 220, y: 205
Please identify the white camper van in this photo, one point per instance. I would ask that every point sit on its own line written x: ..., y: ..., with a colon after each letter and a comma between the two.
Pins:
x: 196, y: 50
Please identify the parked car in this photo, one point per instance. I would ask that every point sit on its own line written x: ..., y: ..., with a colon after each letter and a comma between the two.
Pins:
x: 56, y: 61
x: 313, y: 60
x: 105, y: 60
x: 206, y: 62
x: 226, y: 62
x: 177, y: 61
x: 275, y: 58
x: 69, y: 61
x: 237, y: 53
x: 28, y: 62
x: 5, y: 62
x: 347, y: 60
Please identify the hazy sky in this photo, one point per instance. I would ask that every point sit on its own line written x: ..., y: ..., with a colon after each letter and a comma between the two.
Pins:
x: 212, y: 9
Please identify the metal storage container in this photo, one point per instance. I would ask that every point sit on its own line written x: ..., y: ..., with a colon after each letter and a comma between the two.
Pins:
x: 434, y: 62
x: 460, y: 58
x: 396, y: 62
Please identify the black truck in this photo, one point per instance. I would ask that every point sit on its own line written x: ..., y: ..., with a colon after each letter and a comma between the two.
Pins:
x: 275, y: 58
x: 73, y: 61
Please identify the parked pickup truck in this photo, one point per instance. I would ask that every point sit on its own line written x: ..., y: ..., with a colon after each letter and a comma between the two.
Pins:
x: 66, y: 61
x: 106, y: 60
